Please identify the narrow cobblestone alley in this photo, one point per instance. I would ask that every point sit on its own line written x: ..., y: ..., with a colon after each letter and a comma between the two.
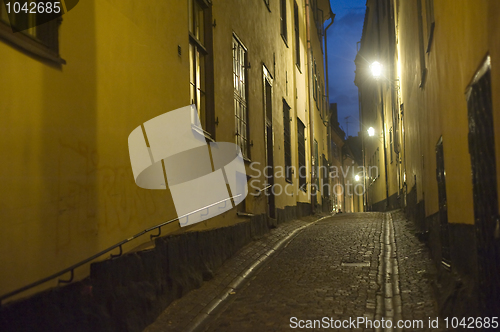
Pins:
x: 367, y: 265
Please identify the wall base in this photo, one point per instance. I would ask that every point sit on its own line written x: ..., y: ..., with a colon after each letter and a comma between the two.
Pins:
x: 127, y: 293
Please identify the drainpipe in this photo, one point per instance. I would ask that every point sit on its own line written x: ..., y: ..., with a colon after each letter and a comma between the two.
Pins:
x: 311, y: 107
x: 326, y: 58
x: 383, y: 115
x: 329, y: 128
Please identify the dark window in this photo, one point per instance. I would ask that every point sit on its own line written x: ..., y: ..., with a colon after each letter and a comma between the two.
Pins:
x: 315, y: 83
x: 390, y: 142
x: 429, y: 9
x: 287, y: 141
x: 240, y: 96
x: 297, y: 34
x: 283, y: 20
x: 301, y: 144
x: 41, y: 40
x: 335, y: 150
x: 197, y: 57
x: 316, y: 164
x: 423, y: 69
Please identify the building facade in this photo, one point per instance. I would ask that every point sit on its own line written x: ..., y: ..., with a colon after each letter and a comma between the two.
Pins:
x: 72, y: 95
x: 434, y: 111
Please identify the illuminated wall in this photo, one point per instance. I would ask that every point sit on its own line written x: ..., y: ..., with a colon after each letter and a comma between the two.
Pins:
x: 67, y: 186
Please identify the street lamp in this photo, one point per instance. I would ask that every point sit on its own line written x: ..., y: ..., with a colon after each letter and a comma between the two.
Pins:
x: 371, y: 131
x: 356, y: 178
x: 376, y: 68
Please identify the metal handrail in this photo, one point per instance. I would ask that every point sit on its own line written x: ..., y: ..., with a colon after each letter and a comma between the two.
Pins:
x: 91, y: 258
x: 265, y: 188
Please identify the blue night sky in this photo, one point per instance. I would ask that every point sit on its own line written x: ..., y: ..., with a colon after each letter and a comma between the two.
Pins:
x: 342, y: 38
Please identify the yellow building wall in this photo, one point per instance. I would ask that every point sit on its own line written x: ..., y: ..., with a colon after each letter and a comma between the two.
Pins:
x: 68, y: 190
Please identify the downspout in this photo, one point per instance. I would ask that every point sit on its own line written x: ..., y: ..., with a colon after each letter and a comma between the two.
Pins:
x: 383, y: 115
x: 326, y: 59
x: 329, y: 129
x: 311, y: 109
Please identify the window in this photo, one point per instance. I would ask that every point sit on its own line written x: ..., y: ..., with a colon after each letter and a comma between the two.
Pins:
x: 335, y: 150
x: 301, y: 145
x: 283, y: 20
x: 287, y: 141
x: 316, y: 164
x: 240, y: 98
x: 197, y: 57
x: 297, y: 34
x: 267, y: 4
x: 315, y: 83
x: 390, y: 142
x: 423, y: 70
x: 41, y: 40
x: 429, y: 9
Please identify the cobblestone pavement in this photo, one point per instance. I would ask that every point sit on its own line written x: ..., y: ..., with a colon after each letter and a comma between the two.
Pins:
x: 341, y: 268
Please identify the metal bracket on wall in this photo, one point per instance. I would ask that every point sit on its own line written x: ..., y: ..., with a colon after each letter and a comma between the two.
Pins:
x: 119, y: 254
x: 72, y: 275
x: 152, y: 236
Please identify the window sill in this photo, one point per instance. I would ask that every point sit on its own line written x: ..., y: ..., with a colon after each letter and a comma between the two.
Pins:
x: 203, y: 133
x: 245, y: 214
x: 29, y: 45
x: 267, y: 5
x: 284, y: 40
x: 431, y: 37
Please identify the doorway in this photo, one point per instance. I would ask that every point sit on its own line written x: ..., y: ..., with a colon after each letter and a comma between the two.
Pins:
x: 484, y: 187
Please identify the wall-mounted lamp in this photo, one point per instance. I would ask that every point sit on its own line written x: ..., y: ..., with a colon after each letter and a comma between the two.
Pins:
x: 371, y: 131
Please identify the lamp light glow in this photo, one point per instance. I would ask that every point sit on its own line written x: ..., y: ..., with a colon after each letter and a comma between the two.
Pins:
x: 371, y: 131
x: 376, y: 69
x: 356, y: 177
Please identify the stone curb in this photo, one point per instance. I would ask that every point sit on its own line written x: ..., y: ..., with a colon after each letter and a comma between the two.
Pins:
x: 198, y: 323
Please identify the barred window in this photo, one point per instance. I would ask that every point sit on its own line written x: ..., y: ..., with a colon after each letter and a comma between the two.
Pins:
x: 240, y: 98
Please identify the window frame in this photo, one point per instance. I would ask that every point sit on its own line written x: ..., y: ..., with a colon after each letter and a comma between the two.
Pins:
x: 268, y: 4
x: 423, y: 68
x: 201, y: 46
x: 287, y: 140
x: 429, y: 11
x: 240, y: 97
x: 301, y: 154
x: 31, y: 42
x: 283, y: 22
x: 297, y: 33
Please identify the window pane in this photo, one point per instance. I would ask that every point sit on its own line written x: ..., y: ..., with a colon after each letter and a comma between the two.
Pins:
x: 190, y: 14
x: 200, y: 24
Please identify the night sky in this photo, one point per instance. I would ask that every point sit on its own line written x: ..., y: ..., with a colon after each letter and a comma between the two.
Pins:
x: 342, y: 38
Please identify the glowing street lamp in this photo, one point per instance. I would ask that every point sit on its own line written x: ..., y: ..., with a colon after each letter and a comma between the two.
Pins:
x: 371, y: 132
x: 356, y: 178
x: 376, y: 69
